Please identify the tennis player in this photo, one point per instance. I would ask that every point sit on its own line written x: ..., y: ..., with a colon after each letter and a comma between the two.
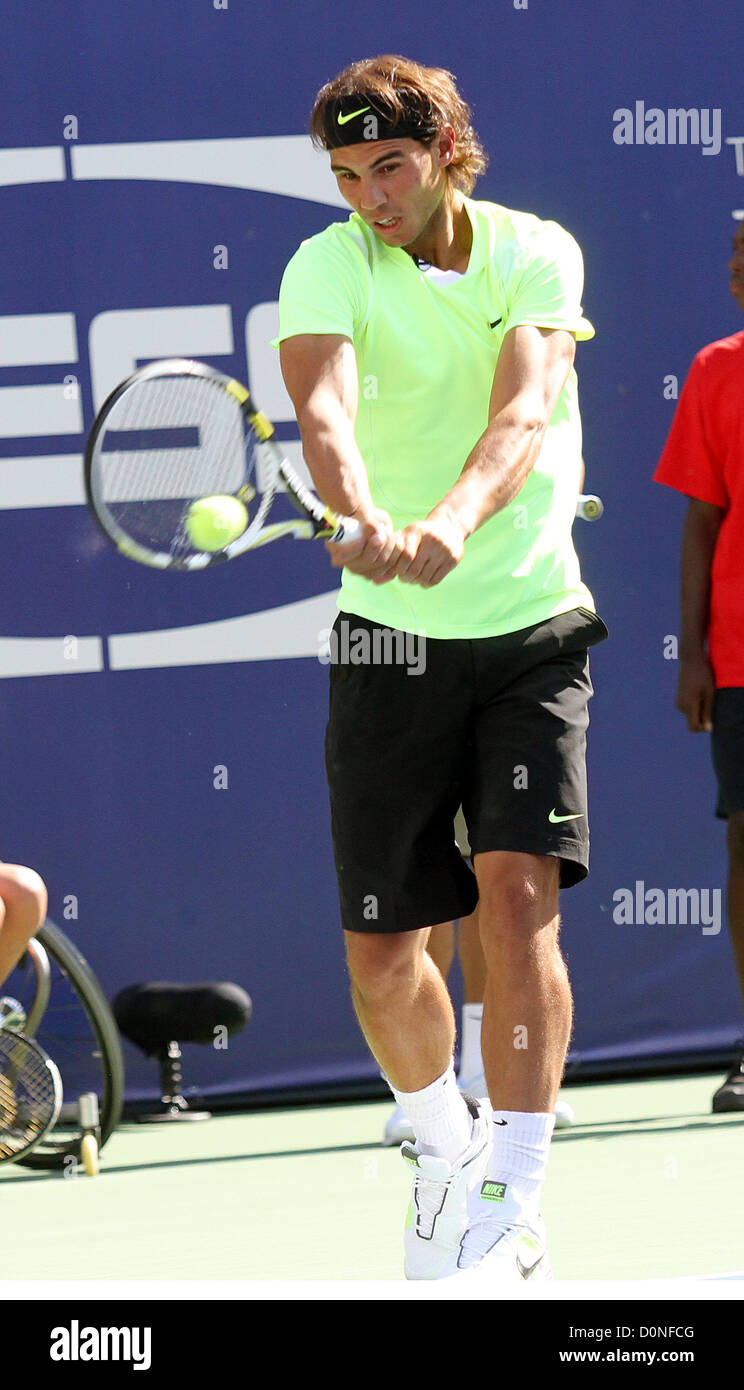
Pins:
x: 427, y: 343
x: 702, y: 459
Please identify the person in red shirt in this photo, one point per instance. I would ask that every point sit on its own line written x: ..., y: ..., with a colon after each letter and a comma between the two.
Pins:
x: 704, y: 459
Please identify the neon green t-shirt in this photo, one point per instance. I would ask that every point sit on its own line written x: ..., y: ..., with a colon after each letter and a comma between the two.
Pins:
x: 426, y: 349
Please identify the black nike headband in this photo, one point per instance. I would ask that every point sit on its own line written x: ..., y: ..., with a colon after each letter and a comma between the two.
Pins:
x: 352, y: 120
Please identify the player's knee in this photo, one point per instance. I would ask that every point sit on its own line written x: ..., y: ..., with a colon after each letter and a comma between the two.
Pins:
x: 25, y: 895
x: 518, y: 902
x: 507, y: 894
x: 381, y: 967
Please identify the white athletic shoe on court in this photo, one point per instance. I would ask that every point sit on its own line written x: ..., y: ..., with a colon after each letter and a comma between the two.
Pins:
x: 492, y: 1257
x: 397, y: 1128
x: 438, y: 1211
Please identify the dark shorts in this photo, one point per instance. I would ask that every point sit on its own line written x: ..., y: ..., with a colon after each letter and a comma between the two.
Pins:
x: 495, y: 724
x: 727, y: 746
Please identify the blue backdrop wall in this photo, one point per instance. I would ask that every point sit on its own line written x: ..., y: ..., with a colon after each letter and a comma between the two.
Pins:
x: 155, y: 178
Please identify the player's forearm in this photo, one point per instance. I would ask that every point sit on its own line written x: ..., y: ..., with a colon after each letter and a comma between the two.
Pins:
x: 699, y: 538
x: 336, y: 465
x: 496, y: 469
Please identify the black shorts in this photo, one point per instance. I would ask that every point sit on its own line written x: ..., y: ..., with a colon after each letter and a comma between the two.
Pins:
x: 495, y: 724
x: 727, y: 747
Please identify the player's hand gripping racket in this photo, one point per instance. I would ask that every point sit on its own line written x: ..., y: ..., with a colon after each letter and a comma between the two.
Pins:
x: 30, y: 1095
x: 182, y: 469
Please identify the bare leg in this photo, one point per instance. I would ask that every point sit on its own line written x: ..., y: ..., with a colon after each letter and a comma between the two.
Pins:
x: 23, y: 905
x: 527, y: 1012
x: 472, y: 959
x: 441, y: 947
x: 403, y: 1006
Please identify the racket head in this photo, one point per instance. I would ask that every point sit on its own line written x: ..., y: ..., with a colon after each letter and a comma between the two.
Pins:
x: 174, y: 432
x: 30, y: 1095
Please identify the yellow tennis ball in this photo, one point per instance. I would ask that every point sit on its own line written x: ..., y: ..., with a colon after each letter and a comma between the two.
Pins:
x: 214, y: 522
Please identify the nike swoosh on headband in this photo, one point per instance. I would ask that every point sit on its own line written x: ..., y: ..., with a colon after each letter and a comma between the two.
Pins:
x: 343, y: 119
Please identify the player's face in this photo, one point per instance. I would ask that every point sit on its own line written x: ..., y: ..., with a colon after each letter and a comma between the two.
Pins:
x: 736, y: 266
x: 394, y: 185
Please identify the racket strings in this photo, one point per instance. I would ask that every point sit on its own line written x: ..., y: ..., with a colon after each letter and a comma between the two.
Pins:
x: 29, y: 1096
x: 167, y: 442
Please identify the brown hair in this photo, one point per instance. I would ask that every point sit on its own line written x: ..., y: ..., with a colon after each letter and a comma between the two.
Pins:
x: 404, y: 91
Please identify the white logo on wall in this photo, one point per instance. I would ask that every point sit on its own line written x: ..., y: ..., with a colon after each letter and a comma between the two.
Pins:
x: 679, y: 125
x: 287, y: 166
x: 642, y: 906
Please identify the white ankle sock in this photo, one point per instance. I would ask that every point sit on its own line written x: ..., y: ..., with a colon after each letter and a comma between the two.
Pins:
x: 471, y: 1062
x: 516, y: 1169
x: 439, y: 1116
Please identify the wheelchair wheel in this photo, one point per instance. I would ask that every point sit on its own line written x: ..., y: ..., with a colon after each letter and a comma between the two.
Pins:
x: 70, y: 1017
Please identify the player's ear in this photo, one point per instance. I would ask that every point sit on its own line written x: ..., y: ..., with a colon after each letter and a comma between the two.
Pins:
x: 446, y: 144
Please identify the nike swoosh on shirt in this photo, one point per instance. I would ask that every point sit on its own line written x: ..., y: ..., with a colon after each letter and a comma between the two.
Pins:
x: 343, y: 119
x: 554, y: 819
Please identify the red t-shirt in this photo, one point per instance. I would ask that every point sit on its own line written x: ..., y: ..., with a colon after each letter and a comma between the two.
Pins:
x: 704, y: 458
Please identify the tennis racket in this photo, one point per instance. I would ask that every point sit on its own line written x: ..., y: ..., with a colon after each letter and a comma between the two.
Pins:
x: 177, y: 432
x: 30, y: 1095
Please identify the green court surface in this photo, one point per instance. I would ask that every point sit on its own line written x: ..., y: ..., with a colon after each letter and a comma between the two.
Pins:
x: 646, y: 1185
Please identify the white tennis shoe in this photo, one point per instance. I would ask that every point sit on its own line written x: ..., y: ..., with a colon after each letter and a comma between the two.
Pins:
x: 438, y: 1211
x: 494, y: 1257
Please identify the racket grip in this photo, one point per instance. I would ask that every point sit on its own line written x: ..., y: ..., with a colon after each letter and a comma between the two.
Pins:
x: 588, y: 507
x: 347, y: 531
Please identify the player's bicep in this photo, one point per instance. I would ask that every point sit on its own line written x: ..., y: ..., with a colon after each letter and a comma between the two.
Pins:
x: 320, y: 374
x: 531, y: 372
